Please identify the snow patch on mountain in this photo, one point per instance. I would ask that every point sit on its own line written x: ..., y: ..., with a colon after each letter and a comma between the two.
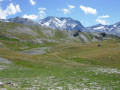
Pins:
x: 61, y: 23
x: 109, y: 29
x: 97, y: 28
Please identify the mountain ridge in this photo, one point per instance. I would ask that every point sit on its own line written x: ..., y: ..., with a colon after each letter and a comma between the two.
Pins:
x: 67, y: 23
x: 109, y: 29
x: 63, y: 23
x: 20, y: 20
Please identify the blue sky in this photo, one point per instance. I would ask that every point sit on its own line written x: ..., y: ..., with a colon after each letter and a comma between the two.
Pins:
x: 88, y: 12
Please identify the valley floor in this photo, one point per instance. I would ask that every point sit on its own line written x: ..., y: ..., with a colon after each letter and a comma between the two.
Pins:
x: 72, y: 66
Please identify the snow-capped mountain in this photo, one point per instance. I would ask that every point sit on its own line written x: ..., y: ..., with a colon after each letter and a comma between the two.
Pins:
x: 61, y: 23
x: 109, y: 29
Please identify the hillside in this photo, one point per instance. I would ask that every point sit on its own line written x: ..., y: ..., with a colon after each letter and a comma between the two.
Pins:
x: 69, y: 24
x: 42, y: 36
x: 36, y: 57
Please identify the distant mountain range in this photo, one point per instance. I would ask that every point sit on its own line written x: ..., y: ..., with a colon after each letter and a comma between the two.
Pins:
x: 20, y: 20
x: 109, y: 29
x: 64, y: 23
x: 61, y: 23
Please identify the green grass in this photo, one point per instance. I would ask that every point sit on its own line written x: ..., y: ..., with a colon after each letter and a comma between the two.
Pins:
x: 65, y: 77
x: 61, y: 68
x: 108, y: 54
x: 16, y: 45
x: 65, y: 66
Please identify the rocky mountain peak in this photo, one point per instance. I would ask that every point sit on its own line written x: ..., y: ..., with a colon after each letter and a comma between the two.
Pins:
x: 62, y: 23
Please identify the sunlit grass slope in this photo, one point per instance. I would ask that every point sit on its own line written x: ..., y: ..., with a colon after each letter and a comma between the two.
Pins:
x: 65, y: 66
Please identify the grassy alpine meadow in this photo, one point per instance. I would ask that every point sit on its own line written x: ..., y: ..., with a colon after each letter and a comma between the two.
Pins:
x: 71, y: 66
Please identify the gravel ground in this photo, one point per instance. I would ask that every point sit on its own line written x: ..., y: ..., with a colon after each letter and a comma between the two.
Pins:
x: 35, y: 51
x: 3, y: 60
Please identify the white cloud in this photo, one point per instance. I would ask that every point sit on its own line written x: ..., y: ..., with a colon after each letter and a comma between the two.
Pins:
x: 88, y: 10
x: 101, y: 19
x: 66, y: 11
x: 104, y: 16
x: 104, y: 22
x: 4, y: 0
x: 42, y: 12
x: 32, y: 2
x: 2, y: 14
x: 71, y: 6
x: 1, y: 0
x: 32, y: 16
x: 10, y: 10
x: 42, y: 9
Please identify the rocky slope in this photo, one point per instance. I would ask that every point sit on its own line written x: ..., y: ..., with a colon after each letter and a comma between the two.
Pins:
x: 64, y: 23
x: 43, y: 35
x: 41, y: 31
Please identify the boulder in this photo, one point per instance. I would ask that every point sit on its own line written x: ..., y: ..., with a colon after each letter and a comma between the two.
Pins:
x: 1, y: 83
